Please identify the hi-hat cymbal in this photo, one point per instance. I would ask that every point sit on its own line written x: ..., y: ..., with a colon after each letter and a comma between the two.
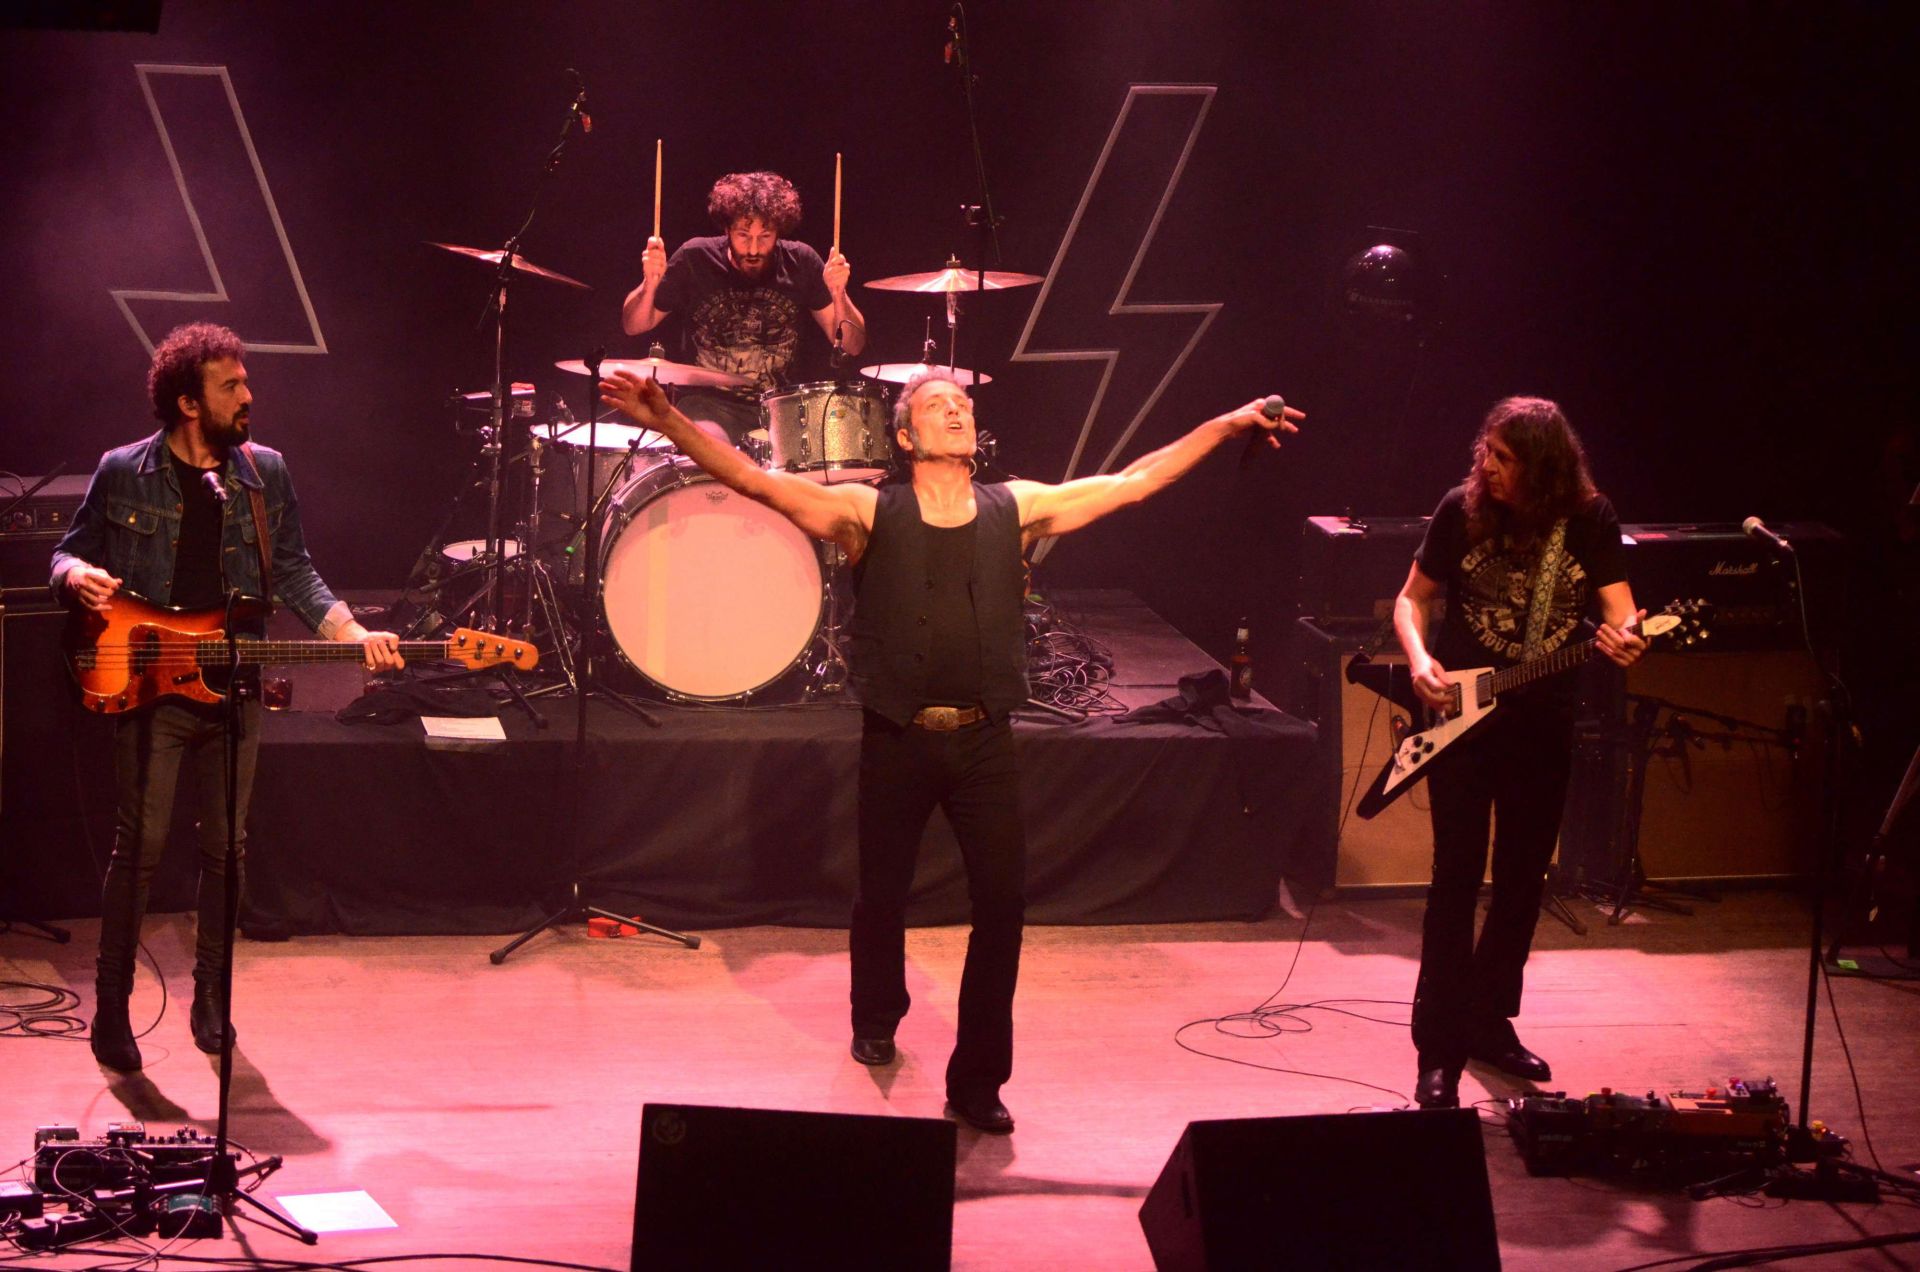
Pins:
x: 954, y: 278
x: 662, y: 370
x: 520, y: 262
x: 901, y: 372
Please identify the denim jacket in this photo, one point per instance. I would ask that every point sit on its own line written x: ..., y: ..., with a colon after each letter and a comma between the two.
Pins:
x: 129, y: 525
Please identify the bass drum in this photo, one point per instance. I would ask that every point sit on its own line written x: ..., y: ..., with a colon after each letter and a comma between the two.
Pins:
x: 709, y: 595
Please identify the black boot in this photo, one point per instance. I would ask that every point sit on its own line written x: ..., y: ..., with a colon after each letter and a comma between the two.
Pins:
x: 205, y: 1017
x: 112, y: 1037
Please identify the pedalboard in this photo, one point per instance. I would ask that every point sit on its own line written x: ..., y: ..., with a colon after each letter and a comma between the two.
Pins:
x: 1610, y: 1132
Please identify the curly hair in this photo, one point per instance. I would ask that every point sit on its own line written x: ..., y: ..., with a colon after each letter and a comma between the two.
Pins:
x: 176, y: 369
x: 1554, y: 481
x: 767, y: 195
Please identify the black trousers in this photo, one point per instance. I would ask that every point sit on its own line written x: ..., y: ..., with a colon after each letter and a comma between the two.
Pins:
x: 1513, y: 771
x: 152, y: 751
x: 905, y: 772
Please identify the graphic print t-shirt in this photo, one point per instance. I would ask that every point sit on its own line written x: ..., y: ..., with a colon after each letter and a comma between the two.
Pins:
x: 746, y: 326
x: 1490, y: 587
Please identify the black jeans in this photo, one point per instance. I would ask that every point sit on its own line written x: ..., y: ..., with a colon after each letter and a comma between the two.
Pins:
x: 151, y: 749
x: 1514, y: 768
x: 971, y: 773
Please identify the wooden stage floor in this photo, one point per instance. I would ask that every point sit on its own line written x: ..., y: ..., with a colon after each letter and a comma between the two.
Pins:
x: 495, y: 1110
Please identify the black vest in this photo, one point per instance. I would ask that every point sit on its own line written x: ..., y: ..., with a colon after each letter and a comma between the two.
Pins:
x: 889, y: 637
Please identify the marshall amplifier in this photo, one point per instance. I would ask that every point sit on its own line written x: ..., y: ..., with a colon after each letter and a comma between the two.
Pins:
x: 1749, y: 586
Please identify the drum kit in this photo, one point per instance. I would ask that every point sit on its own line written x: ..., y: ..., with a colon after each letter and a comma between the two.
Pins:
x: 707, y: 596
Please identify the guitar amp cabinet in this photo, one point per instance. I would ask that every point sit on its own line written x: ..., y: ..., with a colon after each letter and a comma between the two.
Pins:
x: 30, y: 528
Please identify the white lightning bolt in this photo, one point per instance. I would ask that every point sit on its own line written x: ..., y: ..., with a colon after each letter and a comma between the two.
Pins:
x: 219, y: 293
x: 1121, y: 303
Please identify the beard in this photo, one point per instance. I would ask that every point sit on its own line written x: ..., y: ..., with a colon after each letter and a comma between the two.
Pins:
x: 228, y: 432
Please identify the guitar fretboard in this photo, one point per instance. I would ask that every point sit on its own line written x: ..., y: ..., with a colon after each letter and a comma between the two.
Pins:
x: 1565, y: 658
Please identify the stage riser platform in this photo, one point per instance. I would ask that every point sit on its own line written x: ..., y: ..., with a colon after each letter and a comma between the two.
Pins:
x: 719, y: 818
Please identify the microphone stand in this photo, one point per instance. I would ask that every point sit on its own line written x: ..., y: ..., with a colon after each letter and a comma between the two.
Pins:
x: 1833, y: 1177
x: 577, y: 909
x: 221, y: 1188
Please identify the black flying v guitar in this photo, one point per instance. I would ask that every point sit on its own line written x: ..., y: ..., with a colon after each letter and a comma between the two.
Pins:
x: 1476, y: 692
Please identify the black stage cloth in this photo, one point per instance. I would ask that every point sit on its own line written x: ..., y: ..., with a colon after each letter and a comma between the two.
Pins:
x: 720, y: 818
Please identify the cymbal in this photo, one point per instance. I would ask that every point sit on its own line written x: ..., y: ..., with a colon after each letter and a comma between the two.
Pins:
x: 901, y: 372
x: 953, y: 278
x: 608, y: 435
x: 662, y: 370
x: 520, y: 263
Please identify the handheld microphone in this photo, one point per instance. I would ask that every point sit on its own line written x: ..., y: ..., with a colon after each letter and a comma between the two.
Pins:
x: 211, y: 479
x: 1756, y: 530
x: 1274, y: 408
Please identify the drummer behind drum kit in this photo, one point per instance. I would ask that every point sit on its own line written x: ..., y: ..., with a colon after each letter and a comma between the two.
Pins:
x: 708, y: 596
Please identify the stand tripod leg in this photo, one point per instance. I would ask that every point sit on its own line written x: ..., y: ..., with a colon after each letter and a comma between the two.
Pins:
x: 58, y: 935
x: 1554, y: 905
x: 577, y: 910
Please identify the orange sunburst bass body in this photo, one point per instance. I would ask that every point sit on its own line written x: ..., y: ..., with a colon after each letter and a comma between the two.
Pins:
x: 136, y: 653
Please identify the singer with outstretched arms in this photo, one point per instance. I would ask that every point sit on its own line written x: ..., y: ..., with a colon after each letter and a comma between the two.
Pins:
x: 938, y: 657
x: 741, y: 293
x: 1523, y: 552
x: 173, y: 520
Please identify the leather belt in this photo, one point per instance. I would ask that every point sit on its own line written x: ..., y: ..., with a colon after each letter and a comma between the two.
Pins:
x: 947, y: 719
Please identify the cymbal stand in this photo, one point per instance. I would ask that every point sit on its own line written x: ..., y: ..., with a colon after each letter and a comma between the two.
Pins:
x: 828, y: 673
x: 540, y: 589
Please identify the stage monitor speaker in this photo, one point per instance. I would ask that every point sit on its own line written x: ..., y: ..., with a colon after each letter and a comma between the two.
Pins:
x: 763, y: 1188
x: 1308, y: 1193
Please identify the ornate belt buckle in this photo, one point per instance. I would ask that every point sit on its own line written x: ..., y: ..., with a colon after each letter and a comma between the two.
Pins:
x: 940, y: 719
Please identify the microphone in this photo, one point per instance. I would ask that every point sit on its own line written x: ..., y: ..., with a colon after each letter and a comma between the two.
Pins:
x: 580, y: 101
x: 839, y: 356
x: 1757, y: 530
x: 211, y: 479
x: 1274, y: 408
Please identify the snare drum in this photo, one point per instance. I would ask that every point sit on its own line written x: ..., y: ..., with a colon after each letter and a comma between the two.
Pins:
x: 827, y: 431
x: 709, y: 595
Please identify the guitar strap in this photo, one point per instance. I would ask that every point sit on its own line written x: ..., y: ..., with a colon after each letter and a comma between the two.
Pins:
x: 1546, y: 576
x: 257, y: 501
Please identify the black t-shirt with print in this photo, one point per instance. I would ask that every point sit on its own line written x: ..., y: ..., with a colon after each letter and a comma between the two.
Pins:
x: 746, y: 326
x: 1490, y: 587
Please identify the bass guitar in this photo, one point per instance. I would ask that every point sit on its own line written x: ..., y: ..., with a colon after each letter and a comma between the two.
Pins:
x: 136, y: 652
x: 1473, y: 695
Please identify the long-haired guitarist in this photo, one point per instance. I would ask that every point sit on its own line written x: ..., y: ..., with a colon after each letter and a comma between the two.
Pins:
x: 173, y: 519
x: 1523, y: 552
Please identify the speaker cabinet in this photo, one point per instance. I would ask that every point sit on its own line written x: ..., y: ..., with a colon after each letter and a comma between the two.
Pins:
x: 761, y: 1188
x: 1396, y: 847
x: 1336, y: 1191
x: 1732, y: 781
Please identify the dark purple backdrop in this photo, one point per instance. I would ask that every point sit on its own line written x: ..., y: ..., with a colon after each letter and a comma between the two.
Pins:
x: 1692, y: 227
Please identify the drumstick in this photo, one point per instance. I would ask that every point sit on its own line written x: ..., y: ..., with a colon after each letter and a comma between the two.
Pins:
x: 836, y: 200
x: 658, y: 144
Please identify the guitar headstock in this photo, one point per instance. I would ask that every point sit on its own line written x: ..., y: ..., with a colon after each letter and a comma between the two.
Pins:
x: 488, y: 649
x: 1682, y: 622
